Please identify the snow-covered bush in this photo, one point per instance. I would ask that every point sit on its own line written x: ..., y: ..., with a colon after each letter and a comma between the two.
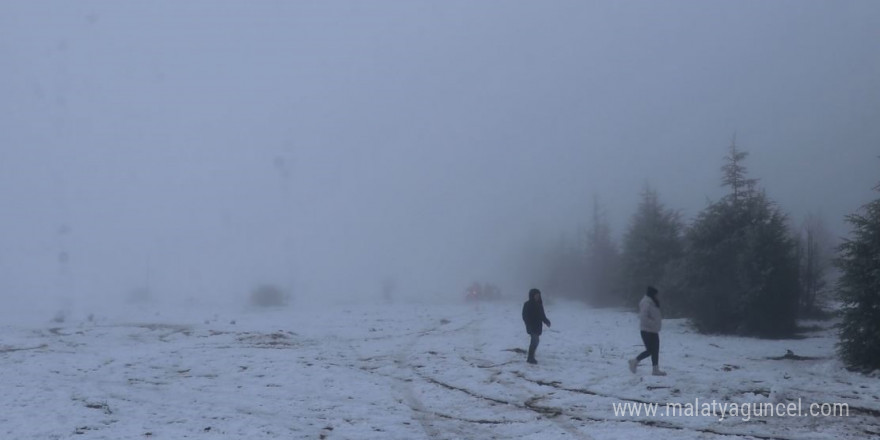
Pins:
x: 269, y: 295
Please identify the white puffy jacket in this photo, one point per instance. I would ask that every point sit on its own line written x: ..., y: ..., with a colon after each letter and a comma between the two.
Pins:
x: 650, y: 318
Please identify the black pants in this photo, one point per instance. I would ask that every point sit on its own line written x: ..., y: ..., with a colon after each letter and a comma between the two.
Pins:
x: 652, y: 347
x: 533, y: 345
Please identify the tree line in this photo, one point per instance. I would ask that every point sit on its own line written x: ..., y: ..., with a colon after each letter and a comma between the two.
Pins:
x: 739, y: 267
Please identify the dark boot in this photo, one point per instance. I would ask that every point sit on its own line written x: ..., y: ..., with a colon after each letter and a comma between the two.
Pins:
x: 532, y: 347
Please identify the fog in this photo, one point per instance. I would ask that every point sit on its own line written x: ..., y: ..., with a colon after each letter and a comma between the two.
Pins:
x: 201, y: 148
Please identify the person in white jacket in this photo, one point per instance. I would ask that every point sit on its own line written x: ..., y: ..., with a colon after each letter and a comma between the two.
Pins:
x: 650, y: 321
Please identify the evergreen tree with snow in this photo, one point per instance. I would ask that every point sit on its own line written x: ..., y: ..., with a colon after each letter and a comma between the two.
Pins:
x: 859, y: 289
x: 741, y: 271
x: 651, y: 244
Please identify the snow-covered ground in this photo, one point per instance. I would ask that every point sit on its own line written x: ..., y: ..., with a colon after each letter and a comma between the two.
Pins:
x: 404, y: 371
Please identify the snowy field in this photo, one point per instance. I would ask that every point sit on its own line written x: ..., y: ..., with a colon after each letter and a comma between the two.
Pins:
x: 404, y: 371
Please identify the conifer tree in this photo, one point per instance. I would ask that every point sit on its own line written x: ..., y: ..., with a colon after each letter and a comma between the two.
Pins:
x: 735, y: 172
x: 859, y: 289
x: 741, y: 271
x: 651, y: 244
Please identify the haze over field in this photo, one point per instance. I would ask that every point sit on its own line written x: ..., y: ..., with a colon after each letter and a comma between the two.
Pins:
x: 212, y: 146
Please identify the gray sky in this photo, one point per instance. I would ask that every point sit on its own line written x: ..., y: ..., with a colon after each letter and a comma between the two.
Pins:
x: 329, y: 144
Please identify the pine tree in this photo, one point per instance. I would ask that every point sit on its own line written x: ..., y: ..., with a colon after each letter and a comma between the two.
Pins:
x: 741, y: 261
x: 711, y: 283
x: 859, y: 289
x: 735, y: 173
x: 651, y: 245
x: 769, y: 265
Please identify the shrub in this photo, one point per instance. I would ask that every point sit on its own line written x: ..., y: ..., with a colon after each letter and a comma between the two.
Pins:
x: 268, y: 295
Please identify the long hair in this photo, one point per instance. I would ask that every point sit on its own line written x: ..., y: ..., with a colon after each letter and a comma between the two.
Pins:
x: 652, y: 293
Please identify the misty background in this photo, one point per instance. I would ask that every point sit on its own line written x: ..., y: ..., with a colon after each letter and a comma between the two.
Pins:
x: 205, y: 147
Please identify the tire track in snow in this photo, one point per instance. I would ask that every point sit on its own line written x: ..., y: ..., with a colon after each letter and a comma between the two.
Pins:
x: 548, y: 413
x: 402, y: 381
x: 405, y: 389
x: 529, y: 406
x: 649, y: 423
x: 426, y: 418
x: 554, y: 412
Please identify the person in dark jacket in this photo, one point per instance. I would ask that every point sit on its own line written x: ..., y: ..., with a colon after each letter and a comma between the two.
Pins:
x: 534, y: 318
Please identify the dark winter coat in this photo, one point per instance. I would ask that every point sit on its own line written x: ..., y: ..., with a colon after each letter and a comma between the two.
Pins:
x: 533, y: 316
